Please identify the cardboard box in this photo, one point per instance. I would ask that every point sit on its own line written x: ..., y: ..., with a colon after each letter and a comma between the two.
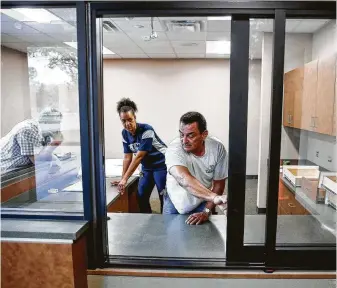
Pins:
x: 311, y: 189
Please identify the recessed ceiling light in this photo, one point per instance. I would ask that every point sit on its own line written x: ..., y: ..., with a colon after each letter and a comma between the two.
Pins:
x: 138, y: 26
x: 218, y: 47
x: 105, y: 50
x: 223, y: 18
x: 28, y: 14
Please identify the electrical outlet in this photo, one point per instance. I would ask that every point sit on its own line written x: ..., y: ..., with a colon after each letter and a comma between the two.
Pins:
x: 329, y: 159
x: 317, y: 153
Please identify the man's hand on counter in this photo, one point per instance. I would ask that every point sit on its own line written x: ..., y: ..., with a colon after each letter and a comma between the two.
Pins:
x: 197, y: 218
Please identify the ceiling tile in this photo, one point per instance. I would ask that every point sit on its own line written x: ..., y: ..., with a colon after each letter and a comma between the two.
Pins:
x: 127, y: 49
x: 219, y: 26
x: 194, y: 56
x: 164, y: 48
x: 37, y: 38
x: 9, y: 39
x: 291, y: 24
x: 116, y: 39
x: 67, y: 14
x: 310, y: 25
x: 182, y: 47
x: 13, y: 28
x: 115, y: 56
x: 131, y: 26
x: 6, y: 18
x: 186, y: 36
x: 162, y: 56
x: 59, y: 27
x: 138, y: 37
x: 217, y: 56
x: 218, y: 36
x: 134, y: 56
x: 65, y: 37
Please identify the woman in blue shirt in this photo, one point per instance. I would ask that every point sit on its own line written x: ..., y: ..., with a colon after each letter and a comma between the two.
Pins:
x: 141, y: 140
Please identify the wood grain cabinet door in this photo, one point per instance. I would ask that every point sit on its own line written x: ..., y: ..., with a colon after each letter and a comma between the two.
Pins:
x: 308, y: 110
x: 288, y: 98
x: 325, y: 98
x: 296, y: 119
x: 334, y: 126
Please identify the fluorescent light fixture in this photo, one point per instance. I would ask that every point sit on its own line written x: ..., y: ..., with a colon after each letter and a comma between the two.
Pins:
x: 218, y: 47
x: 105, y: 50
x: 221, y: 18
x: 27, y: 14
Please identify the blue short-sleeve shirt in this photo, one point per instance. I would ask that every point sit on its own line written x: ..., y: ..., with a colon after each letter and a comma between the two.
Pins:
x: 146, y: 139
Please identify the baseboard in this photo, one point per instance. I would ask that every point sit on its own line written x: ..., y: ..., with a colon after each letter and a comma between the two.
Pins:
x: 252, y: 176
x: 261, y: 210
x: 173, y: 273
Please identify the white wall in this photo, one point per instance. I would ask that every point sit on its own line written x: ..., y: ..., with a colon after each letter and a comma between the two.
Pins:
x: 166, y: 89
x: 15, y: 100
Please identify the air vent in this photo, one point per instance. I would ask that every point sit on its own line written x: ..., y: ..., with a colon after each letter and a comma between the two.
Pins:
x: 108, y: 26
x: 184, y: 26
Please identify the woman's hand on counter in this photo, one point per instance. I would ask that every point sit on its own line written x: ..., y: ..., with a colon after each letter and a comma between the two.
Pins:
x: 115, y: 183
x: 121, y: 186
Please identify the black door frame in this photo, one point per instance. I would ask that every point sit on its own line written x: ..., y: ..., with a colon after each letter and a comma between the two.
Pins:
x: 238, y: 254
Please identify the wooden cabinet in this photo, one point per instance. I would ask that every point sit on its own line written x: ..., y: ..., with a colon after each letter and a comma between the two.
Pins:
x: 325, y: 96
x: 310, y: 96
x: 292, y: 101
x: 287, y: 203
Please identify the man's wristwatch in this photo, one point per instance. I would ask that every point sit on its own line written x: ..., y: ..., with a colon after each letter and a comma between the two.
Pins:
x: 208, y: 211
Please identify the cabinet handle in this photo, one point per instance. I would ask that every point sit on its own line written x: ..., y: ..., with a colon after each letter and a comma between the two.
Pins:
x: 312, y: 121
x: 315, y: 122
x: 291, y: 119
x: 291, y: 205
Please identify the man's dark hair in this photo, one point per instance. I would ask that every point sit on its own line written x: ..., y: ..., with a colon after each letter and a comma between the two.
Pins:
x: 191, y: 117
x: 126, y: 105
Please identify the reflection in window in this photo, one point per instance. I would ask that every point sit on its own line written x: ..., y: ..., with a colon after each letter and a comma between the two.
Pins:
x: 40, y: 134
x: 307, y: 188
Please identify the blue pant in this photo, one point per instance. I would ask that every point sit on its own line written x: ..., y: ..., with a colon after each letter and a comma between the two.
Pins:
x: 170, y: 209
x: 145, y: 186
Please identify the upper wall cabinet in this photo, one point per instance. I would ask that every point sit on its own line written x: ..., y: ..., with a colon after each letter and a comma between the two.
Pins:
x: 310, y: 96
x: 293, y: 89
x: 325, y: 97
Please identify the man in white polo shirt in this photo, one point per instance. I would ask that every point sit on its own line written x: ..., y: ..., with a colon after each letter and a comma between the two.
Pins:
x: 197, y: 166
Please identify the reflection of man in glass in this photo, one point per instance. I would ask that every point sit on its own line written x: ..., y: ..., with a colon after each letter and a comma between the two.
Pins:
x: 31, y: 140
x: 197, y: 166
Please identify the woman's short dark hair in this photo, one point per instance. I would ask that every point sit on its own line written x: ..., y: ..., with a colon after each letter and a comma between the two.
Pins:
x: 191, y: 117
x: 126, y: 105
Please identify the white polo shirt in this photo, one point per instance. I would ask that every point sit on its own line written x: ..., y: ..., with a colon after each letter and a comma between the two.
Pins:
x: 213, y: 165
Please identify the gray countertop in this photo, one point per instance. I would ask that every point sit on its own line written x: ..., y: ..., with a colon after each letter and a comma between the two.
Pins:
x: 63, y: 201
x: 169, y: 236
x: 42, y: 229
x: 323, y: 213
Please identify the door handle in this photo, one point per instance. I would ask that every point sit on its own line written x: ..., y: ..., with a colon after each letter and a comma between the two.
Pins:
x: 315, y: 122
x: 312, y: 122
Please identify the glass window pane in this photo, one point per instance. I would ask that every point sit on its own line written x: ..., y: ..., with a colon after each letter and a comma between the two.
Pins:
x: 40, y: 131
x: 168, y: 66
x: 307, y: 187
x: 258, y: 130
